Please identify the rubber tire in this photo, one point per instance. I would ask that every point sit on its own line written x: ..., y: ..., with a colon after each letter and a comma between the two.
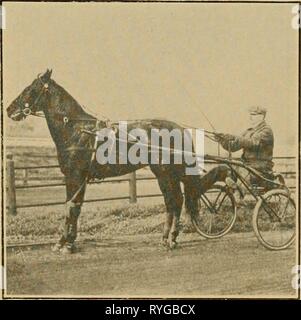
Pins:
x: 229, y: 227
x: 255, y: 224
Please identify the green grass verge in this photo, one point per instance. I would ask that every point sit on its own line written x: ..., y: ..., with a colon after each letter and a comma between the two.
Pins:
x: 98, y: 221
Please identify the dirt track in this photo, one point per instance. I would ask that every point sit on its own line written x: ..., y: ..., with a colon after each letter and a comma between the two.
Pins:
x: 136, y: 266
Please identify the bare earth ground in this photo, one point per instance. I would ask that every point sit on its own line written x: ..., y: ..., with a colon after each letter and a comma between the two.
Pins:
x: 136, y: 266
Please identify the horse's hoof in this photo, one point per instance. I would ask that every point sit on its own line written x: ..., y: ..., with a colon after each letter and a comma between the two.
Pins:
x: 56, y: 248
x: 173, y: 245
x: 68, y: 249
x: 164, y: 243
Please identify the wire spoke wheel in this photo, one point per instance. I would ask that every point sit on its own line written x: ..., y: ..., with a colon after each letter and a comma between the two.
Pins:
x: 274, y: 220
x: 217, y: 213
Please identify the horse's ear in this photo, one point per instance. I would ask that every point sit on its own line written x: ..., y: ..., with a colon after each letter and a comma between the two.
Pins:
x: 49, y: 72
x: 46, y: 76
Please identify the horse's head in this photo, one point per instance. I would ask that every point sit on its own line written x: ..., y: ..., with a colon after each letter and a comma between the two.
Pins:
x: 32, y: 98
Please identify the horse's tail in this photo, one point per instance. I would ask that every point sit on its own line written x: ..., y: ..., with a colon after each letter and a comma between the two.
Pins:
x: 205, y: 181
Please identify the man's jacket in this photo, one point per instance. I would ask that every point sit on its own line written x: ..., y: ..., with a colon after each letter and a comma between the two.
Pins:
x: 257, y: 144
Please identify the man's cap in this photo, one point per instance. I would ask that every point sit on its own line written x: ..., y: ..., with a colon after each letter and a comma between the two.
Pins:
x: 257, y: 110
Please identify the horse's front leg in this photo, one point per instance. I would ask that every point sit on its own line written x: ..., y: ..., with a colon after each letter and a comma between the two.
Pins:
x: 67, y: 240
x: 75, y: 187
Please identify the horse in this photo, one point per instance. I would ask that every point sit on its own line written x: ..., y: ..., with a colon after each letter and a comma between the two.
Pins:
x: 71, y: 126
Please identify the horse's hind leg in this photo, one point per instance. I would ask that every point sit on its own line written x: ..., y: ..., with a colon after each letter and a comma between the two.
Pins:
x: 167, y: 227
x: 173, y: 207
x: 174, y: 231
x: 192, y: 195
x: 167, y: 194
x: 177, y: 208
x: 173, y: 198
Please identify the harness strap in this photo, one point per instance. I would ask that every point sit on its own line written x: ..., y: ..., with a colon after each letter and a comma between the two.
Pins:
x: 87, y: 178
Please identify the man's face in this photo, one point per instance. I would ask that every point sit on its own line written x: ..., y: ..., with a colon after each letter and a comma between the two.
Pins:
x: 255, y: 118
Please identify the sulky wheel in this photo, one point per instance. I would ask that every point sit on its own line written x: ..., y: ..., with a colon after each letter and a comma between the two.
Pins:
x: 216, y: 214
x: 274, y: 219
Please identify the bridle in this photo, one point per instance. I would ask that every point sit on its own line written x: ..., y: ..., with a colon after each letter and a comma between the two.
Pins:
x: 27, y: 109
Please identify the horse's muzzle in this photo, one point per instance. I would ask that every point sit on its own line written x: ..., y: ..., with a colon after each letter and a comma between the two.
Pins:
x: 15, y: 113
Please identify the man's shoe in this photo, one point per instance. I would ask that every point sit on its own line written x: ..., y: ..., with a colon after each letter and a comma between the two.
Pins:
x: 239, y: 199
x: 230, y: 183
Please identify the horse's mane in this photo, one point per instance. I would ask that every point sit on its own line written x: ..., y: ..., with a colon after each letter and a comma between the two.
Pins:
x: 69, y: 106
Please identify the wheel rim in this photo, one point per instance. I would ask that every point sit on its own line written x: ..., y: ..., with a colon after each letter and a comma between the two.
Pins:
x: 217, y: 222
x: 276, y: 231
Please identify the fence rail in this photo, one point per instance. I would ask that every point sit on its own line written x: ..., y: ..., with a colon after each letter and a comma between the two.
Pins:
x: 131, y: 178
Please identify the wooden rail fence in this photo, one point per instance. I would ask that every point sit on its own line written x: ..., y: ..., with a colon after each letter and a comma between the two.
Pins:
x: 132, y: 179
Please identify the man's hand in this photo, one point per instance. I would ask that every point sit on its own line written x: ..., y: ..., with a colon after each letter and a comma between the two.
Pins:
x: 229, y: 137
x: 218, y: 136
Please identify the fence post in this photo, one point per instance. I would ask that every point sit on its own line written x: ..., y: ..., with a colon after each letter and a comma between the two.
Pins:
x: 10, y: 187
x: 132, y: 187
x: 25, y: 177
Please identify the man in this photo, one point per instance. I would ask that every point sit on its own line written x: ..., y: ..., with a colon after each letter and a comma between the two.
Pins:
x: 257, y: 143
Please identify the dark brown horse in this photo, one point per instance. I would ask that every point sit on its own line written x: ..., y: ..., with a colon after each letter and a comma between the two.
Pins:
x: 69, y: 126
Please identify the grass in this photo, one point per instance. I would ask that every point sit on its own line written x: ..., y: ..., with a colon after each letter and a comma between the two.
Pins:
x: 93, y: 223
x: 98, y: 221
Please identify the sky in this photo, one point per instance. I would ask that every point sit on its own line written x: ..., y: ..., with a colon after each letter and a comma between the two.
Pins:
x: 147, y: 60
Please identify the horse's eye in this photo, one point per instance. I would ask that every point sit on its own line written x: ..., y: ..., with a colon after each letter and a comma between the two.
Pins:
x: 26, y: 105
